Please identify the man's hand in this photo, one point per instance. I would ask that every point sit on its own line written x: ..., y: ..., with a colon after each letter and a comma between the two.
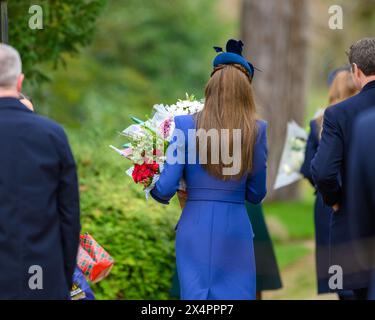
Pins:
x: 336, y: 207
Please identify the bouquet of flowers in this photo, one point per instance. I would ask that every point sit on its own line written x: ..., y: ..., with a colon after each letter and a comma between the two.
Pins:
x: 292, y: 157
x: 149, y: 140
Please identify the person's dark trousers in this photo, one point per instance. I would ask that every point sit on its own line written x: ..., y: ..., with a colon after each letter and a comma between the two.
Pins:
x: 361, y: 294
x: 371, y: 289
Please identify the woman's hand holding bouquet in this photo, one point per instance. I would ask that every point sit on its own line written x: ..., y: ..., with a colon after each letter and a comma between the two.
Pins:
x: 149, y: 140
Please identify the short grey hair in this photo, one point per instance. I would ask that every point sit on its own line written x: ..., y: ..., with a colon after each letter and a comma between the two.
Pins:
x: 362, y: 53
x: 10, y: 66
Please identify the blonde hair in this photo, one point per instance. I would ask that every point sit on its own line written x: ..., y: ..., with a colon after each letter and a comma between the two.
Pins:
x: 229, y: 104
x: 342, y: 88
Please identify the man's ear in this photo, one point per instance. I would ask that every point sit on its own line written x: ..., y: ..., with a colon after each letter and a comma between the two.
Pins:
x: 20, y: 82
x: 357, y: 76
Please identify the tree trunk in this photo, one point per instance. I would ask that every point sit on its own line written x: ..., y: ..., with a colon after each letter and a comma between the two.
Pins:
x: 275, y: 34
x: 3, y: 21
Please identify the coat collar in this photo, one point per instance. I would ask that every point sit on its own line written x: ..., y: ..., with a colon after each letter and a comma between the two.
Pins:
x: 370, y: 85
x: 11, y: 102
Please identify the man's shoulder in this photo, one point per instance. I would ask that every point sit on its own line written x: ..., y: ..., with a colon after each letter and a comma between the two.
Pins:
x: 342, y: 111
x: 348, y: 107
x: 47, y: 125
x: 342, y: 106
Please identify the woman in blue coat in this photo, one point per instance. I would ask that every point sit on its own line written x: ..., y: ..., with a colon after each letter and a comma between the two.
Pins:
x: 341, y: 88
x: 322, y: 214
x: 214, y: 239
x: 267, y: 271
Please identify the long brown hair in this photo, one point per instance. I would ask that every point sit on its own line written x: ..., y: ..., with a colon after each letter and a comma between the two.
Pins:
x: 229, y: 104
x: 342, y: 88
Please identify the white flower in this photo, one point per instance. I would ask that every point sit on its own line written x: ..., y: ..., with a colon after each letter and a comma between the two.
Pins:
x: 135, y: 131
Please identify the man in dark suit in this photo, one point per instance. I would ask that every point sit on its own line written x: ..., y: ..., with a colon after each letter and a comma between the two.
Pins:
x: 330, y: 163
x: 360, y: 194
x: 39, y: 198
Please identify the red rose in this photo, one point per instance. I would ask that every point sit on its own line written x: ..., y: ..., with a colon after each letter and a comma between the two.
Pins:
x: 155, y: 167
x: 143, y: 173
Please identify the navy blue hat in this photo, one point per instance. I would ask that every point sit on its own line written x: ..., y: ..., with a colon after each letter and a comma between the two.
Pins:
x: 233, y: 56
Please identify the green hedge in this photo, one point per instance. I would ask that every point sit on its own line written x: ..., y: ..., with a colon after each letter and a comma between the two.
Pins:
x: 138, y: 233
x: 143, y: 52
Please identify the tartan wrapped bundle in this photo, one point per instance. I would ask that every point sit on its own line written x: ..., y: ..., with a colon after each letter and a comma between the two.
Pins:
x: 93, y: 260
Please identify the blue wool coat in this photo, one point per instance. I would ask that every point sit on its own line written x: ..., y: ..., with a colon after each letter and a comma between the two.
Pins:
x: 214, y: 240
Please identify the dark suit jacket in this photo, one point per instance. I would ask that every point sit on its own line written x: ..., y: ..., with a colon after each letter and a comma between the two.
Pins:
x: 361, y: 192
x: 330, y: 162
x: 329, y: 174
x: 322, y: 213
x: 39, y: 205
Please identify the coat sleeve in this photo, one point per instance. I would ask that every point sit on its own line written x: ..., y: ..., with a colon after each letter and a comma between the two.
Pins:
x: 68, y: 208
x: 311, y: 149
x: 169, y: 180
x: 256, y: 188
x: 328, y: 160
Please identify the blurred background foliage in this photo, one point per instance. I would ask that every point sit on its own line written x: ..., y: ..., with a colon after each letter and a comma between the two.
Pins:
x: 97, y: 62
x: 141, y: 52
x: 68, y: 25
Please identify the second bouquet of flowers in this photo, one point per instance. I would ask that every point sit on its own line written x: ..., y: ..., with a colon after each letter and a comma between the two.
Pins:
x: 148, y: 141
